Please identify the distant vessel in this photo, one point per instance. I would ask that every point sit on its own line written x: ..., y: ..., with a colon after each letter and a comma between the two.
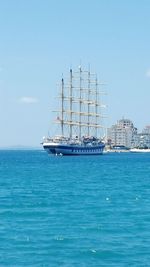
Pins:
x: 79, y: 117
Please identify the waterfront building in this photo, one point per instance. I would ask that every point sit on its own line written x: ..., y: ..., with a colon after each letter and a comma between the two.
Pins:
x: 121, y: 133
x: 146, y: 130
x: 142, y: 139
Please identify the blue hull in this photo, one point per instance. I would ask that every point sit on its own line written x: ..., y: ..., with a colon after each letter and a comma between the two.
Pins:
x: 73, y: 150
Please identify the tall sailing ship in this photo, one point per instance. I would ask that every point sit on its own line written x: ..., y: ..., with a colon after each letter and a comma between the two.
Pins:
x: 79, y: 117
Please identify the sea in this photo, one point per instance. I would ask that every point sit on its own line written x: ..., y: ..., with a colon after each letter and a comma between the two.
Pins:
x: 83, y: 211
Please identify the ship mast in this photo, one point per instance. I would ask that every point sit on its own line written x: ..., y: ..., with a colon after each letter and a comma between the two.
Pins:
x: 88, y: 102
x: 62, y: 106
x: 80, y: 101
x: 70, y: 102
x: 96, y: 104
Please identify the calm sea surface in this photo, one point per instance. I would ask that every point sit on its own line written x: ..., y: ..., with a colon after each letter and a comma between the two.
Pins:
x: 74, y: 211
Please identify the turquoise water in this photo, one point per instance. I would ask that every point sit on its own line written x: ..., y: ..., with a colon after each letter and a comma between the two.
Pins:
x: 74, y: 211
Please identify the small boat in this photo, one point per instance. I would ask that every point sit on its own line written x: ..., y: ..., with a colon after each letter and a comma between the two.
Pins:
x: 79, y: 117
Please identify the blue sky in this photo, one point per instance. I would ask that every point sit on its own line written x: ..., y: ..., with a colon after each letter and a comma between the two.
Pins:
x: 41, y: 39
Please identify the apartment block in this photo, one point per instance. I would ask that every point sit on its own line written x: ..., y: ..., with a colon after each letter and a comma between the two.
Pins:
x: 121, y: 133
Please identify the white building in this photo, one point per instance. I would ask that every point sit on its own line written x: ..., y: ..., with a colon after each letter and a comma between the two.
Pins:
x: 121, y: 134
x: 142, y: 139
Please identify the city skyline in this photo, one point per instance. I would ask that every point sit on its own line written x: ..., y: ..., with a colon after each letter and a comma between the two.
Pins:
x: 41, y: 40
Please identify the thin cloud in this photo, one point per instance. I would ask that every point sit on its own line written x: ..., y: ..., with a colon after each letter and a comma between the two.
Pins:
x: 148, y: 73
x: 28, y: 100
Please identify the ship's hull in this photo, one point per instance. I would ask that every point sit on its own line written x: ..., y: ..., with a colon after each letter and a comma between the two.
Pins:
x: 74, y: 150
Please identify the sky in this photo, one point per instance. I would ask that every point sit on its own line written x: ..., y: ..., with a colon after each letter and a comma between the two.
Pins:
x: 41, y: 39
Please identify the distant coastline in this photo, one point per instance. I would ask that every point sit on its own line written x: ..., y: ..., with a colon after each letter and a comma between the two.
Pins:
x: 21, y: 147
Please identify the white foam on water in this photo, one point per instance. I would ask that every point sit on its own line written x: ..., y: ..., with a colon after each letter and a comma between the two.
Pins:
x: 59, y: 238
x: 93, y: 250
